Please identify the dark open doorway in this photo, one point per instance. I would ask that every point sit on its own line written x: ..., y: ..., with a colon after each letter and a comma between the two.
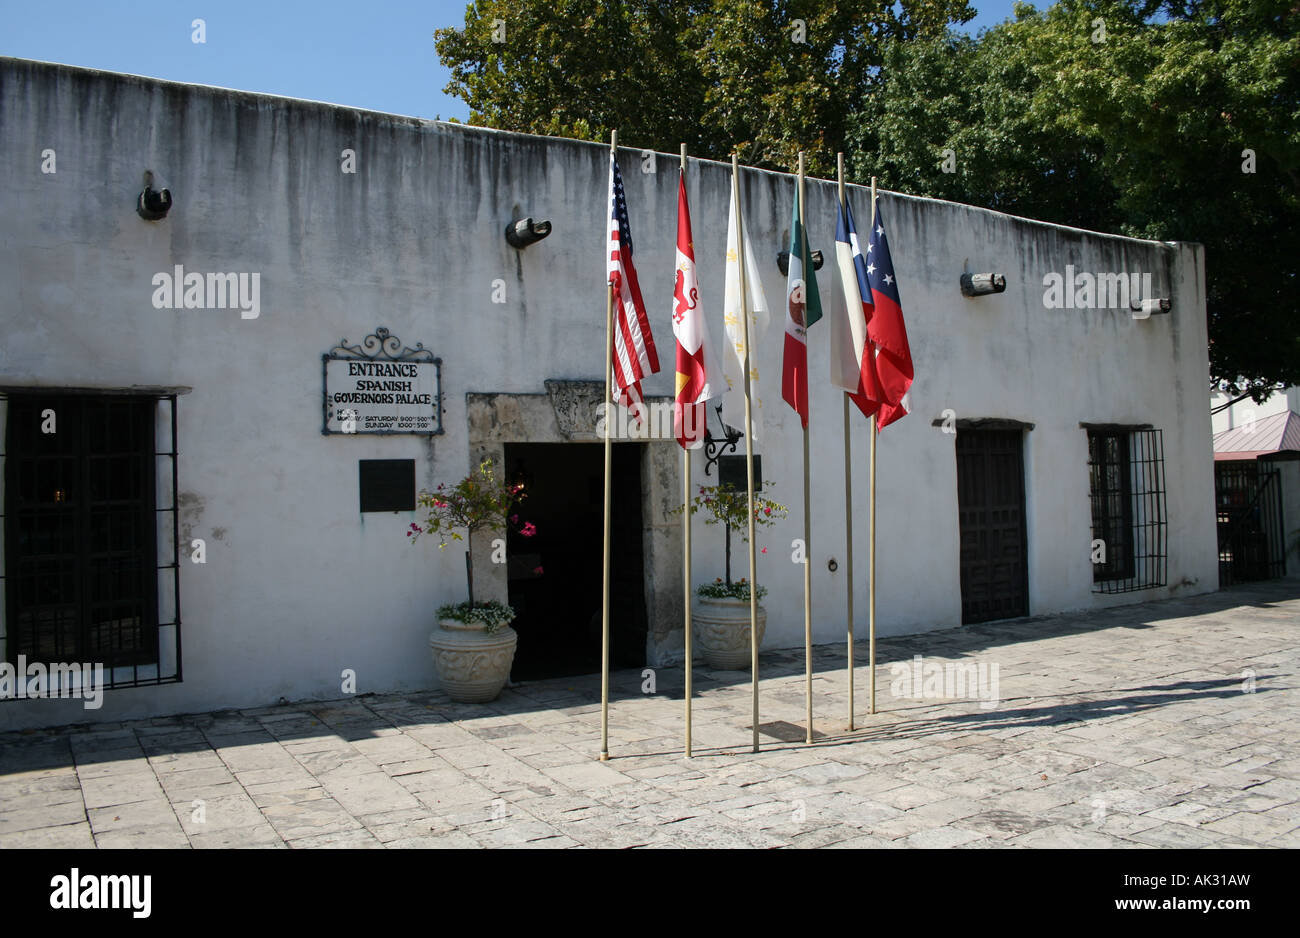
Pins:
x: 558, y: 609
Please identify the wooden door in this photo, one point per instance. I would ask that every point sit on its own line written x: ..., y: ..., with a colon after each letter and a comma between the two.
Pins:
x: 991, y: 510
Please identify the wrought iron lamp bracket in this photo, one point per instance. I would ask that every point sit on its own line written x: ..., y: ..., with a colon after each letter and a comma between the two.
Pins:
x: 715, y: 448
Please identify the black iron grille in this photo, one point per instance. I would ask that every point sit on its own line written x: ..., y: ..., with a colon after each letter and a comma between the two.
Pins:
x: 1252, y: 542
x: 1126, y: 477
x: 84, y: 531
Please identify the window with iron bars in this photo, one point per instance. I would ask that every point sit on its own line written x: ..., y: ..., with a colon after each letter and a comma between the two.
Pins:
x: 90, y: 573
x: 1126, y: 478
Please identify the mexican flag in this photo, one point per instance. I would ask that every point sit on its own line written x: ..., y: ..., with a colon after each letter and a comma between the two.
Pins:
x: 803, y: 307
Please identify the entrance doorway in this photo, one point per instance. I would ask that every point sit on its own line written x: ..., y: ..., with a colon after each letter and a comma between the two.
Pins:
x: 79, y: 535
x: 991, y: 511
x: 559, y: 609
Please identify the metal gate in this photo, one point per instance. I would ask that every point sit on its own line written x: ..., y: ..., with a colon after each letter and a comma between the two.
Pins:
x: 1252, y: 544
x: 991, y: 510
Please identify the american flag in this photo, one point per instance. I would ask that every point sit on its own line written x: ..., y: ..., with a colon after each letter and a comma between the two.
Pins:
x: 634, y: 346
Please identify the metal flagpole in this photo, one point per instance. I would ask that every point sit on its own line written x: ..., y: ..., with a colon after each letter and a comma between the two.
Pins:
x: 848, y: 495
x: 807, y: 499
x: 875, y: 418
x: 604, y: 609
x: 749, y: 441
x: 686, y: 541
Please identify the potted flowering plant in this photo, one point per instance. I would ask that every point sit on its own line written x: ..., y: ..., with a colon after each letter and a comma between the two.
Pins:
x: 473, y: 646
x: 721, y: 613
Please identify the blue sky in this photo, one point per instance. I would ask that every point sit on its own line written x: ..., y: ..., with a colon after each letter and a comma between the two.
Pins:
x: 376, y: 54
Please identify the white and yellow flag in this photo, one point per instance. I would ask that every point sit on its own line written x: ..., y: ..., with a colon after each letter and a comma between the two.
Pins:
x: 733, y: 356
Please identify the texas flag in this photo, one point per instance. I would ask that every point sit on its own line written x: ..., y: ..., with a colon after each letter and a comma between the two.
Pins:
x: 698, y: 375
x: 885, y: 326
x: 853, y: 365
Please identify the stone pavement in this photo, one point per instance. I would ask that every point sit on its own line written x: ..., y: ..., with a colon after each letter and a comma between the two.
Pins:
x: 1166, y: 724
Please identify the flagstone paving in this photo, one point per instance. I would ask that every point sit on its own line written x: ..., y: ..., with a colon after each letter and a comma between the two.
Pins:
x: 1170, y: 724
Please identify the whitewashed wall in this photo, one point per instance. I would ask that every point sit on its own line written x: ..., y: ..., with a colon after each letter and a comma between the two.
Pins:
x: 298, y: 585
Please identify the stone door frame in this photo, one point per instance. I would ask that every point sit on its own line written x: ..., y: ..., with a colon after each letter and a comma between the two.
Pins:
x: 567, y: 413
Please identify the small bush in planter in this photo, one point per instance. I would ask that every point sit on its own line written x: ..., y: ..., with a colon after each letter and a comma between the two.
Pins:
x: 720, y: 590
x: 478, y: 502
x: 729, y: 507
x: 492, y: 614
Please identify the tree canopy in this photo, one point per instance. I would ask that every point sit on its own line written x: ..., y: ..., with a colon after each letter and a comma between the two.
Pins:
x: 764, y: 79
x: 1163, y: 119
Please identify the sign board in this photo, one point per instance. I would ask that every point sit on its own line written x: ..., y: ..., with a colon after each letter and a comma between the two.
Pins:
x: 381, y: 386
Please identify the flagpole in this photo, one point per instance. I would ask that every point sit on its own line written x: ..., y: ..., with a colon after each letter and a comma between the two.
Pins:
x: 801, y: 240
x: 604, y: 609
x: 686, y: 542
x: 848, y: 496
x: 749, y: 444
x: 875, y: 419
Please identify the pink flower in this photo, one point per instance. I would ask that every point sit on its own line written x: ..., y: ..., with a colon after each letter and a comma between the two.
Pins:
x: 763, y: 551
x: 514, y: 519
x: 767, y: 511
x: 528, y: 530
x: 537, y: 570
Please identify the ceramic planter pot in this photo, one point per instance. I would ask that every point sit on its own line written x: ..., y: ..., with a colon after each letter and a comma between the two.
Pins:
x: 722, y: 631
x: 472, y: 664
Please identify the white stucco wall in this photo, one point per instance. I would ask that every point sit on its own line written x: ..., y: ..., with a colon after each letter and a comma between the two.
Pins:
x: 298, y: 585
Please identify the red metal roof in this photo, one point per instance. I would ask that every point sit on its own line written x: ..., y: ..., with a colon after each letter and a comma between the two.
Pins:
x: 1275, y: 433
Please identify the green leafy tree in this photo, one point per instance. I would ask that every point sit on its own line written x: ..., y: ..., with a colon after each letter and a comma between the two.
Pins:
x: 1134, y: 117
x: 729, y: 507
x: 762, y: 78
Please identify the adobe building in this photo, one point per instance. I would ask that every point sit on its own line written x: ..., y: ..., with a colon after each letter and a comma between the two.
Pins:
x: 153, y: 418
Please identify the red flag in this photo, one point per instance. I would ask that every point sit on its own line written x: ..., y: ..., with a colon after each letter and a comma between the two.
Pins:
x: 697, y: 374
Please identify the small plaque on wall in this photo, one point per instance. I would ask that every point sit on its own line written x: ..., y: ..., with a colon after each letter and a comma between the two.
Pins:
x: 387, y: 484
x: 732, y: 471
